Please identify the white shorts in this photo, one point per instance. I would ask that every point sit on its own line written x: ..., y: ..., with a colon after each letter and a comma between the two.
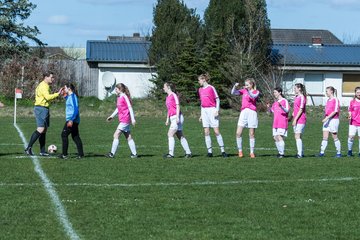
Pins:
x: 279, y: 132
x: 208, y: 118
x: 353, y: 130
x: 331, y: 125
x: 124, y: 127
x: 248, y: 118
x: 299, y: 128
x: 176, y: 126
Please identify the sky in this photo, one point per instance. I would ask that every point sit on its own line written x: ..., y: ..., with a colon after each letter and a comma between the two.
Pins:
x: 70, y: 23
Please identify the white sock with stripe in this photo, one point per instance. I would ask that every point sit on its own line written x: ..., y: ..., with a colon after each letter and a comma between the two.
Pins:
x: 114, y: 146
x: 132, y: 146
x: 208, y: 143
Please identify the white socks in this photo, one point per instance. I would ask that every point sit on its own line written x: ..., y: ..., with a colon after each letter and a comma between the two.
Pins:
x: 114, y: 146
x: 337, y: 146
x: 299, y: 146
x: 208, y: 143
x: 324, y: 144
x: 350, y: 144
x: 281, y: 147
x: 220, y: 142
x: 185, y: 145
x: 132, y: 146
x: 239, y: 143
x: 171, y: 145
x: 252, y: 145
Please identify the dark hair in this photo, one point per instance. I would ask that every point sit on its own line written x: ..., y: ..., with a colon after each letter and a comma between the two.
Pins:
x: 356, y: 89
x: 72, y: 87
x: 205, y: 76
x: 123, y: 88
x: 302, y: 88
x: 47, y: 74
x: 279, y: 89
x: 334, y: 91
x: 171, y: 86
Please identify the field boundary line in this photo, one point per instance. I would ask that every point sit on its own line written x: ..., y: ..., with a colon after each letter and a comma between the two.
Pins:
x: 196, y: 183
x: 49, y: 187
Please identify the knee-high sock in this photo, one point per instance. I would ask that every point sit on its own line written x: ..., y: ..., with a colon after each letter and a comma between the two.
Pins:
x: 281, y: 145
x: 34, y: 137
x: 350, y: 144
x: 252, y: 145
x: 42, y: 141
x: 337, y: 145
x: 132, y: 146
x: 220, y: 142
x: 171, y: 145
x: 277, y: 146
x: 114, y: 146
x: 299, y: 146
x: 185, y: 145
x: 324, y: 144
x: 239, y: 143
x: 208, y: 143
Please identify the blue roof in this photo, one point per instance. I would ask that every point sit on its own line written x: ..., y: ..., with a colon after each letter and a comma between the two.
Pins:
x: 118, y: 51
x: 309, y: 55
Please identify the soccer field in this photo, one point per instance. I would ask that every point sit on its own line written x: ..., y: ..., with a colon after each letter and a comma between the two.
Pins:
x: 155, y: 198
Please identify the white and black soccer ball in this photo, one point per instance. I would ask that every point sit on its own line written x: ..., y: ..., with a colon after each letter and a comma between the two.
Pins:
x: 52, y: 148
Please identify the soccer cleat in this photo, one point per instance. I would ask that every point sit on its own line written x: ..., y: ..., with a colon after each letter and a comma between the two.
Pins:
x: 109, y: 155
x: 321, y: 155
x: 298, y: 156
x: 209, y: 155
x: 62, y: 156
x: 280, y: 155
x: 224, y: 155
x: 350, y: 154
x: 80, y: 156
x: 44, y: 154
x: 338, y: 155
x: 134, y: 156
x: 241, y: 154
x: 28, y: 151
x: 188, y: 156
x: 168, y: 156
x: 252, y: 155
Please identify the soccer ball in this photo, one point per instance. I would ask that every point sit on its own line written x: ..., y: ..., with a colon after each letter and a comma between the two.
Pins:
x: 52, y: 148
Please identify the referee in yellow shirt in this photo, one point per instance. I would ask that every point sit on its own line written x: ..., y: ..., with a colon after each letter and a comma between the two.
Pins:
x: 42, y: 113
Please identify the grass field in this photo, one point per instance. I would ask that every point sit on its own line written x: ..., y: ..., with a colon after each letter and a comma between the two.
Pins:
x: 198, y: 198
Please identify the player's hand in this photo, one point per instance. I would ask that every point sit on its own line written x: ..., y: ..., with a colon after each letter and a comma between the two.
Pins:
x: 1, y: 105
x: 167, y: 122
x: 216, y: 113
x: 109, y: 119
x: 294, y: 123
x: 324, y: 120
x: 268, y: 105
x: 61, y: 90
x: 133, y: 123
x: 349, y: 117
x: 69, y: 124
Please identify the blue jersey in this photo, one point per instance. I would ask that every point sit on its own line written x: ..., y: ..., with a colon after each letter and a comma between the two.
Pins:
x: 72, y: 108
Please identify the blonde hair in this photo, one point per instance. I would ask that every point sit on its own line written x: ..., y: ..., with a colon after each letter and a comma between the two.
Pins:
x: 205, y: 76
x: 252, y: 82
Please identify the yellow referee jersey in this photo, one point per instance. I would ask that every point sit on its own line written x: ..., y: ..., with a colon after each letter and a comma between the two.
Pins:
x: 43, y: 96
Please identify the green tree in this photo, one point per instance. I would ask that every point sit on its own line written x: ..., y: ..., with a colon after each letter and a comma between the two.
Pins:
x: 13, y: 32
x: 174, y: 24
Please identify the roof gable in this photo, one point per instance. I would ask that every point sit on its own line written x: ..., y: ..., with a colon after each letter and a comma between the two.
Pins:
x: 302, y: 36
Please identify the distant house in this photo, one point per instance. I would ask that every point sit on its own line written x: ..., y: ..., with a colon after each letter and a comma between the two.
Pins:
x: 305, y: 36
x: 319, y: 65
x: 124, y: 58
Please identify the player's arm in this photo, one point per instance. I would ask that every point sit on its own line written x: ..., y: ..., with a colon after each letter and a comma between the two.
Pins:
x: 131, y: 111
x: 234, y: 91
x: 285, y: 108
x: 301, y: 110
x: 45, y: 92
x: 252, y: 94
x: 112, y: 115
x: 331, y: 115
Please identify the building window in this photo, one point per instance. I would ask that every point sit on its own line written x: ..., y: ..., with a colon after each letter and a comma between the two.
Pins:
x: 288, y: 83
x: 350, y: 82
x: 314, y: 84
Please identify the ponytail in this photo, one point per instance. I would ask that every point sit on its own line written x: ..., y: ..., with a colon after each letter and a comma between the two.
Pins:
x: 123, y: 88
x: 302, y: 88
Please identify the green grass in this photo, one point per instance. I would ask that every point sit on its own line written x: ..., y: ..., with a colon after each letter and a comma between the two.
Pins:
x: 169, y: 199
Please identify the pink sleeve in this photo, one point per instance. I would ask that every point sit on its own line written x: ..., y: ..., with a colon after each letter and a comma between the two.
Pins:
x: 351, y: 106
x: 302, y: 103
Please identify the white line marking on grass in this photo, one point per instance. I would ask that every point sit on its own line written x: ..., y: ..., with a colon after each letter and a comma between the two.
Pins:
x: 60, y: 210
x: 197, y: 183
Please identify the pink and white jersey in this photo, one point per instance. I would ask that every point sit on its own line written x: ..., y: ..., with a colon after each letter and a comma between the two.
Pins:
x: 332, y: 105
x: 280, y: 113
x: 354, y: 110
x: 208, y: 96
x: 300, y: 102
x: 172, y: 101
x: 124, y: 109
x: 249, y: 99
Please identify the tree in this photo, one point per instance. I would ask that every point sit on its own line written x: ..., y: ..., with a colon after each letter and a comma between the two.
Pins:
x: 174, y: 25
x: 13, y: 32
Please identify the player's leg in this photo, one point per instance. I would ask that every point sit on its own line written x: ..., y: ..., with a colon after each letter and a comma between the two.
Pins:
x: 184, y: 143
x: 220, y: 141
x: 324, y: 142
x: 42, y: 118
x: 351, y: 137
x: 115, y: 143
x: 337, y: 143
x: 131, y: 144
x: 65, y: 141
x: 252, y: 141
x: 76, y: 138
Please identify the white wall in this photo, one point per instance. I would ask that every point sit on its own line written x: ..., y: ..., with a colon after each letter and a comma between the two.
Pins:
x: 329, y: 79
x: 136, y: 79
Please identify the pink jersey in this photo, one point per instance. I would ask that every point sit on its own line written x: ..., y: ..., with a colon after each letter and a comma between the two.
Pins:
x: 354, y: 110
x: 332, y: 105
x: 172, y: 101
x: 249, y: 99
x: 208, y: 96
x: 123, y: 106
x: 300, y: 102
x: 280, y: 113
